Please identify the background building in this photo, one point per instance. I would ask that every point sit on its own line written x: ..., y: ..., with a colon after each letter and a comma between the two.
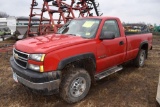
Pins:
x: 19, y: 24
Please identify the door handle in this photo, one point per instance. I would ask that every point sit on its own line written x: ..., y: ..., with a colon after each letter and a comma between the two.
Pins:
x: 121, y: 43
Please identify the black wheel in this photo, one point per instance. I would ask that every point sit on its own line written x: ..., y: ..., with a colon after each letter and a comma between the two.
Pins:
x: 75, y: 85
x: 140, y: 59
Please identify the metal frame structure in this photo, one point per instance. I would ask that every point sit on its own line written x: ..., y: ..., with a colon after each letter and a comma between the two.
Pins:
x: 65, y: 10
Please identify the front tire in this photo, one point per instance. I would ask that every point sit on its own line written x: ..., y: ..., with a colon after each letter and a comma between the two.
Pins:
x: 75, y: 85
x: 140, y: 59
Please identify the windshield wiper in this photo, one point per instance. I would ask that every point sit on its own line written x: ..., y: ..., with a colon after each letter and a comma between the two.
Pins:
x: 70, y: 34
x: 85, y: 37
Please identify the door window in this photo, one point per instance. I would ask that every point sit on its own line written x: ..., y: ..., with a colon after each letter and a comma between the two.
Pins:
x: 112, y: 26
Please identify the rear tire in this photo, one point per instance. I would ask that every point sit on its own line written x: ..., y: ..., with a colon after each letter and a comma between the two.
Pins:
x: 75, y: 85
x: 140, y: 59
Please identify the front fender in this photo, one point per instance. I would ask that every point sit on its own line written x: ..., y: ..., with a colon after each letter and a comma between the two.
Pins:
x: 71, y: 59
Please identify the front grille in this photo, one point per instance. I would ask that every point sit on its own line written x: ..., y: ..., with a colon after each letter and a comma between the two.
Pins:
x: 21, y: 54
x: 20, y: 58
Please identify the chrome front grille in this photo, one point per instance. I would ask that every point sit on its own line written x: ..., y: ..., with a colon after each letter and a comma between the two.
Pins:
x: 20, y: 58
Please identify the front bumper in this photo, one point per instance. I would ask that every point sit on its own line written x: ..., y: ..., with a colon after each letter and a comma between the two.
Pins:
x: 49, y: 81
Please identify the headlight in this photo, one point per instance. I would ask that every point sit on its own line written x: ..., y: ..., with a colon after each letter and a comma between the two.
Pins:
x: 37, y: 57
x: 36, y: 67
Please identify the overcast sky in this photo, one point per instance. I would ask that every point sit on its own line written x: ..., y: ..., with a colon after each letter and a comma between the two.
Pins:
x: 131, y: 11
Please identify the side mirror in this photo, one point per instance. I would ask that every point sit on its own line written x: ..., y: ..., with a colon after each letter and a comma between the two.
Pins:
x: 107, y: 35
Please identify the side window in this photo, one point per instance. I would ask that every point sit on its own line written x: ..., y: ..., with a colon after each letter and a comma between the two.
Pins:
x: 112, y: 26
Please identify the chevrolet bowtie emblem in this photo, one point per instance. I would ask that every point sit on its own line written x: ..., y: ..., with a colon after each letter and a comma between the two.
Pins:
x: 16, y: 56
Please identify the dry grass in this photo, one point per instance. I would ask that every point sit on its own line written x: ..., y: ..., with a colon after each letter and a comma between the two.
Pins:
x: 130, y: 87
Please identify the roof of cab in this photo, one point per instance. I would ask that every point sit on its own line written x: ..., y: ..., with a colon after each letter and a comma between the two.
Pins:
x: 98, y: 17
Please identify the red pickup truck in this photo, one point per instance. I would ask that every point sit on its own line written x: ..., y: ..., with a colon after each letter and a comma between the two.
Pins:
x: 83, y: 50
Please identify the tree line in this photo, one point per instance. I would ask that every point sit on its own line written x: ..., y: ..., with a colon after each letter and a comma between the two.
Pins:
x: 3, y: 15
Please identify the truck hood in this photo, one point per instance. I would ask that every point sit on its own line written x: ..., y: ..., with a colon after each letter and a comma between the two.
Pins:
x: 45, y: 44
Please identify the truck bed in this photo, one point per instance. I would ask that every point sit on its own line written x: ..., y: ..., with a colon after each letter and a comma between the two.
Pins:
x: 134, y: 42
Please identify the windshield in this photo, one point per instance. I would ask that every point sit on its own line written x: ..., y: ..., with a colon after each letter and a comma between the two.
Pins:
x: 86, y: 28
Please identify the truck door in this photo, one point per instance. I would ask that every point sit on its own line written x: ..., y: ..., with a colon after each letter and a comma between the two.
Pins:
x: 111, y: 52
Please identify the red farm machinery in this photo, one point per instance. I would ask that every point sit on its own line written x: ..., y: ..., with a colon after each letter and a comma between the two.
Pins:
x: 60, y: 12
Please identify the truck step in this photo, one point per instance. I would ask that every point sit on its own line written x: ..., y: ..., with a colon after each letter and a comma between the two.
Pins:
x: 108, y: 72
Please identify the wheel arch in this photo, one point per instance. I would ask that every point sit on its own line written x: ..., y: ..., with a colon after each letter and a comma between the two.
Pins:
x: 144, y: 46
x: 86, y: 61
